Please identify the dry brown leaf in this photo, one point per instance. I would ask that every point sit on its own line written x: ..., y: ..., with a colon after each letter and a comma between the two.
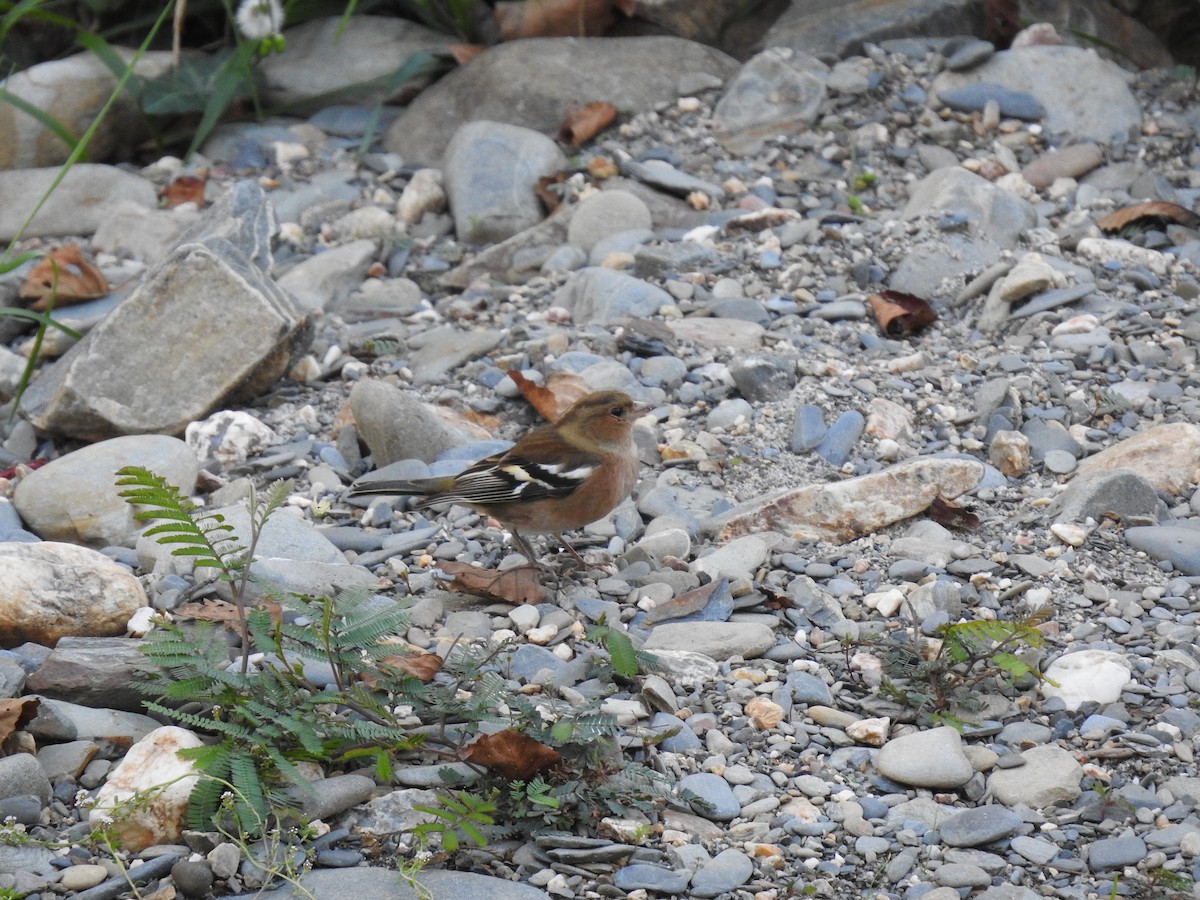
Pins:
x: 15, y: 714
x: 583, y: 124
x: 422, y: 666
x: 519, y: 585
x: 900, y: 314
x: 554, y: 398
x: 64, y: 276
x: 223, y: 612
x: 184, y: 189
x: 951, y: 515
x: 552, y: 18
x: 1150, y: 212
x: 464, y: 53
x: 511, y: 754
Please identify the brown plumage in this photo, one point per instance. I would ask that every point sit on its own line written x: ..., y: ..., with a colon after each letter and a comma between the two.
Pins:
x: 556, y: 478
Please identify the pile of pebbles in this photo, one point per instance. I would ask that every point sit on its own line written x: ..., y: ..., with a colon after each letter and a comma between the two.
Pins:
x: 742, y: 316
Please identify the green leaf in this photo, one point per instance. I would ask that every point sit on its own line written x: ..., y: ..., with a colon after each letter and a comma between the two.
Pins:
x: 194, y: 85
x: 620, y: 650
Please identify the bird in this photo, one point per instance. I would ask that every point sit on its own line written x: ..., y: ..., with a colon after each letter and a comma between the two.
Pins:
x: 556, y: 478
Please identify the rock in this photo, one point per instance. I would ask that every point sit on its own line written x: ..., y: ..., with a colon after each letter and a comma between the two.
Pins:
x: 1119, y: 492
x: 72, y: 92
x: 101, y: 671
x: 1094, y: 104
x: 155, y: 331
x: 1167, y: 456
x: 225, y: 439
x: 844, y: 28
x: 328, y: 278
x: 1086, y: 676
x: 778, y: 92
x: 158, y: 781
x: 75, y: 498
x: 492, y: 171
x: 21, y: 774
x: 604, y: 214
x: 718, y: 640
x: 50, y: 590
x: 929, y: 759
x: 1179, y: 545
x: 1064, y: 162
x: 600, y: 296
x: 571, y: 72
x: 58, y: 720
x: 1009, y: 452
x: 994, y: 220
x: 981, y: 825
x: 397, y: 426
x: 87, y: 196
x: 843, y: 510
x: 364, y: 883
x: 1049, y: 777
x: 339, y: 52
x: 740, y: 558
x: 725, y: 872
x: 720, y: 804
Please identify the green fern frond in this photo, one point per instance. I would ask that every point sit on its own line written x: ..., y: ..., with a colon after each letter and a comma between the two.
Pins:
x: 205, y: 538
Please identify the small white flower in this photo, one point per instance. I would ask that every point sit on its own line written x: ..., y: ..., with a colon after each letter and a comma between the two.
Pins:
x: 259, y: 19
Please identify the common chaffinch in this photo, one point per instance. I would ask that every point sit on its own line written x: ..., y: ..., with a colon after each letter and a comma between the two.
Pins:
x: 556, y: 478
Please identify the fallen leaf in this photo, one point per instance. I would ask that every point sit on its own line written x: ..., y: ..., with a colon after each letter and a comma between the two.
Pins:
x: 464, y: 53
x: 762, y: 219
x: 583, y: 124
x: 559, y: 393
x: 63, y: 277
x: 422, y: 666
x: 1151, y: 212
x: 518, y: 585
x: 552, y: 18
x: 184, y: 189
x: 951, y: 515
x: 222, y: 611
x: 510, y: 754
x: 15, y: 714
x: 900, y: 314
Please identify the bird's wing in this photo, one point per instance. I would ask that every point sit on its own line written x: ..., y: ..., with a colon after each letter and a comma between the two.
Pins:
x: 508, y: 477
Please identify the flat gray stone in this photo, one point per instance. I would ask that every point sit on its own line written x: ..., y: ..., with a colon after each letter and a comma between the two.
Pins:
x: 570, y: 73
x: 85, y: 198
x: 387, y: 884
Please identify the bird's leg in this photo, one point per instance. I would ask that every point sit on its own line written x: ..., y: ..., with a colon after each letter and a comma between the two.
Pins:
x: 527, y: 552
x: 584, y: 564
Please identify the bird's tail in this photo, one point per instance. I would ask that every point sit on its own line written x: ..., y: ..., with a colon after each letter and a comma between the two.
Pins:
x: 418, y: 487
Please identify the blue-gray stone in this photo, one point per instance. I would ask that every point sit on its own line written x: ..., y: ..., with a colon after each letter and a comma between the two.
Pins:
x: 1113, y: 853
x: 980, y: 825
x: 683, y: 739
x: 841, y: 438
x: 974, y: 97
x: 1176, y: 544
x: 364, y: 883
x: 716, y: 800
x: 724, y: 872
x: 656, y: 879
x: 809, y: 689
x: 968, y: 54
x: 809, y: 429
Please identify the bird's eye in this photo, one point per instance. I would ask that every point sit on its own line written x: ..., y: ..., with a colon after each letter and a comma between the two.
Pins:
x: 617, y: 412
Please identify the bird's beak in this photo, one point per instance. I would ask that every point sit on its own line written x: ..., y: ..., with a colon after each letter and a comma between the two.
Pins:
x: 640, y: 409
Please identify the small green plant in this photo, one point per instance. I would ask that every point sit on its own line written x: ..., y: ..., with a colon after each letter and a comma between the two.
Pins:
x: 328, y: 681
x: 932, y: 676
x: 458, y: 819
x: 208, y: 540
